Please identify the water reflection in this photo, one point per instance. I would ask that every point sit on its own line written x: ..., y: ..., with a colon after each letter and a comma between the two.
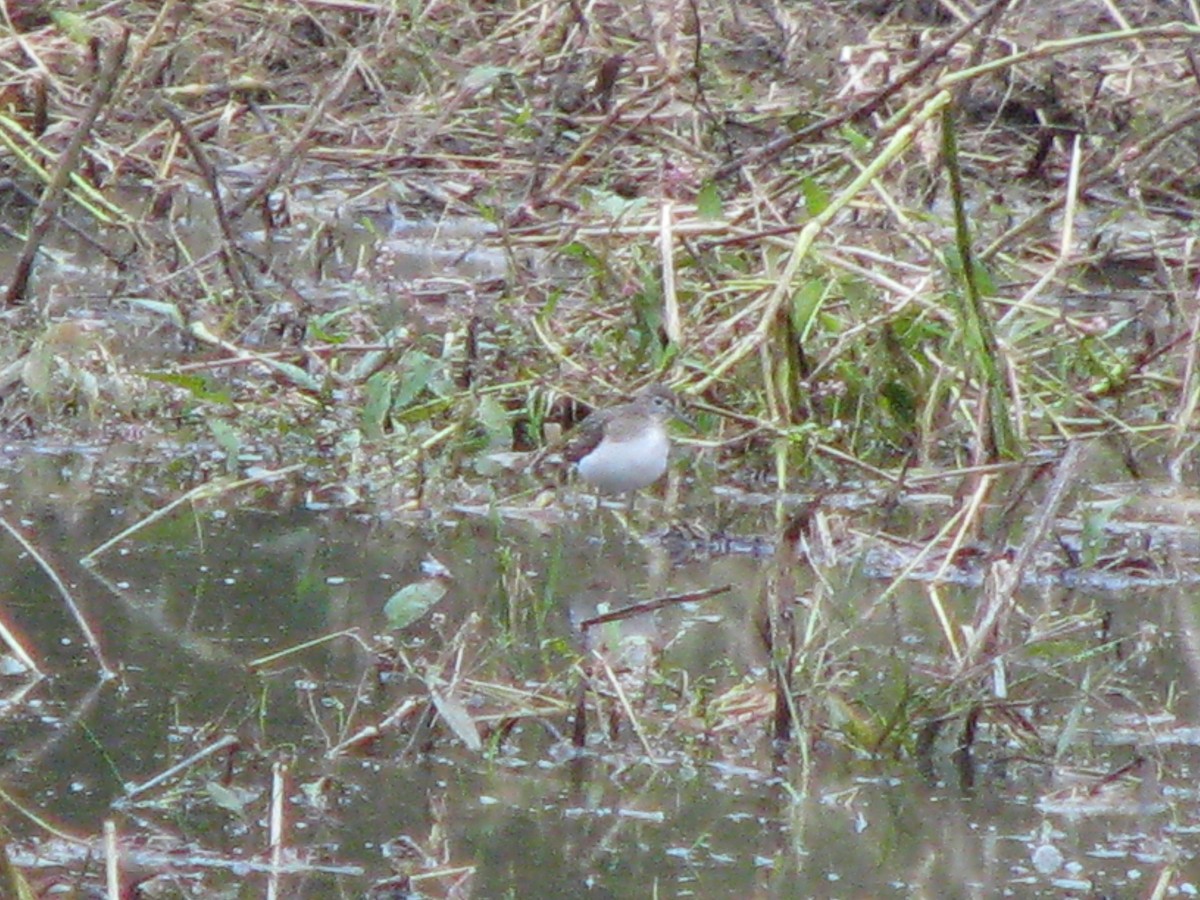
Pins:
x: 678, y: 789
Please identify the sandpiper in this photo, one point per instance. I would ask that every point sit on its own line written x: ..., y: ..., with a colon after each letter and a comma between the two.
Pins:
x: 624, y: 448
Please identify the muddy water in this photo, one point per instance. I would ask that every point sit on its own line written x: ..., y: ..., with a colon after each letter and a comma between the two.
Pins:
x: 690, y: 801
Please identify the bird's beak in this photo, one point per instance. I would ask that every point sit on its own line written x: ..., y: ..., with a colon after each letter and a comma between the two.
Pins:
x: 681, y: 416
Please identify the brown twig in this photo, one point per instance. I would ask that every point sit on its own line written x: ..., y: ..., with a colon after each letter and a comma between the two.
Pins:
x: 52, y: 198
x: 230, y: 252
x: 646, y: 606
x: 292, y: 155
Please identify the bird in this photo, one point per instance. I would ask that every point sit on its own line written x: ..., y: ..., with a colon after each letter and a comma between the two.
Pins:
x: 624, y: 448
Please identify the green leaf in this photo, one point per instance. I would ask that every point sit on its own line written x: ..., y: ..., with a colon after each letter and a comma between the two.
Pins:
x: 581, y: 252
x: 805, y: 304
x: 228, y: 440
x: 482, y: 76
x: 378, y: 404
x: 412, y: 602
x: 857, y: 140
x: 74, y: 26
x: 495, y: 421
x: 611, y: 204
x: 226, y: 799
x: 816, y: 198
x: 198, y: 386
x: 801, y: 120
x: 952, y: 261
x: 323, y: 328
x: 984, y: 280
x: 900, y: 401
x: 293, y: 373
x: 708, y: 202
x: 552, y: 300
x: 415, y: 371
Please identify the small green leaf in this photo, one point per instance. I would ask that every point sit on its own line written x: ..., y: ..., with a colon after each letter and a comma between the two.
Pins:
x: 495, y: 421
x: 296, y: 375
x: 226, y: 799
x: 708, y: 202
x: 805, y: 304
x: 984, y: 280
x: 412, y: 602
x: 581, y: 252
x: 378, y: 403
x: 201, y: 388
x: 613, y: 205
x: 801, y: 120
x: 816, y: 198
x: 552, y: 300
x: 323, y: 328
x: 415, y: 371
x: 857, y: 140
x: 74, y: 26
x: 952, y: 261
x: 228, y: 440
x: 482, y: 76
x: 900, y: 400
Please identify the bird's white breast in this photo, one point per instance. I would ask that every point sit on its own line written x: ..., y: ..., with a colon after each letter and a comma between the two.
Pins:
x: 617, y: 467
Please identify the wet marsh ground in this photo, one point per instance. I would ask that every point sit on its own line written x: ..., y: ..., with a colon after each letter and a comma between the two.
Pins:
x: 680, y: 785
x: 299, y: 603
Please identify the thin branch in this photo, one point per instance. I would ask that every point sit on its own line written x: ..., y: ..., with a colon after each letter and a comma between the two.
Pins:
x: 51, y: 202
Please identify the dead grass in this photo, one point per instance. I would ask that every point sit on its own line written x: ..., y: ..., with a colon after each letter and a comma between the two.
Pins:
x: 811, y: 282
x: 916, y: 251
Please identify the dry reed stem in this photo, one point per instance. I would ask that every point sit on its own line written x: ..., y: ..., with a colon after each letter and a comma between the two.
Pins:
x: 404, y: 710
x: 228, y: 742
x: 630, y: 715
x: 1189, y: 390
x: 666, y: 249
x: 648, y: 606
x: 17, y: 647
x: 1138, y: 153
x: 51, y: 199
x: 112, y: 860
x: 289, y: 158
x: 271, y: 659
x: 200, y: 492
x: 276, y: 828
x: 235, y: 266
x: 804, y: 240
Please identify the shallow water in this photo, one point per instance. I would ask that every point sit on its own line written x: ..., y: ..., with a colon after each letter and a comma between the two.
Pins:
x: 690, y: 801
